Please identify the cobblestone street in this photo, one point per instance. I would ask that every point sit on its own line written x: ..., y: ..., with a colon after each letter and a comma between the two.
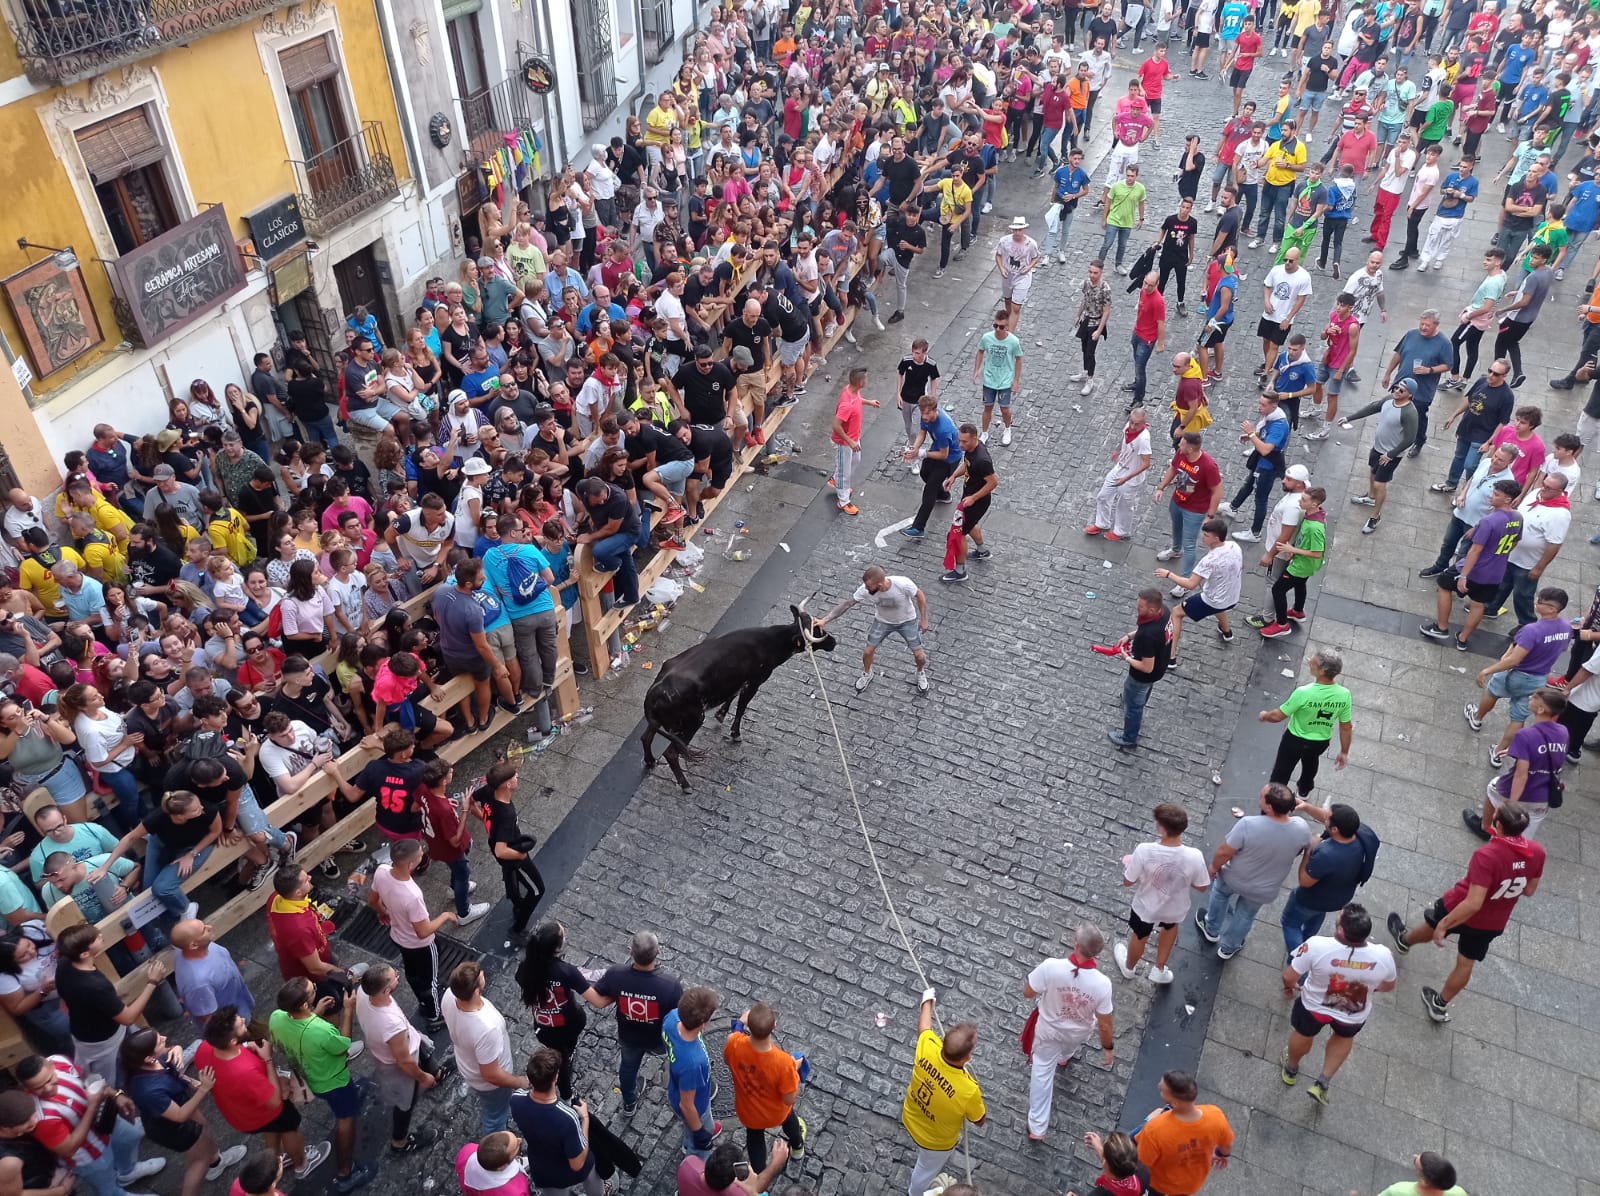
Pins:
x: 1000, y: 814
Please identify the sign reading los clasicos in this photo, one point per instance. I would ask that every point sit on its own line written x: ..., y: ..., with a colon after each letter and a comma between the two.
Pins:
x: 170, y: 282
x: 276, y: 227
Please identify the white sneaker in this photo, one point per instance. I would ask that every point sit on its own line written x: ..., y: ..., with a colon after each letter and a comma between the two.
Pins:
x: 472, y: 886
x: 863, y: 681
x: 1272, y: 248
x: 143, y: 1170
x: 316, y: 1155
x: 849, y: 336
x: 987, y: 208
x: 1179, y: 592
x: 1501, y: 127
x: 1226, y: 510
x: 356, y: 1048
x: 922, y: 681
x: 1080, y: 376
x: 1254, y: 243
x: 1439, y: 265
x: 1169, y: 554
x: 878, y: 324
x: 913, y: 465
x: 1062, y: 257
x: 1160, y: 975
x: 225, y: 1160
x: 474, y: 911
x: 1422, y: 263
x: 190, y: 910
x: 1121, y: 952
x: 1211, y: 205
x: 1005, y: 435
x: 983, y: 437
x: 1246, y: 536
x: 1087, y: 387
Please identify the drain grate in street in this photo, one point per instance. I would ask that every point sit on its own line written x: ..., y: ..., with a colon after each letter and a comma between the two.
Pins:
x: 366, y: 933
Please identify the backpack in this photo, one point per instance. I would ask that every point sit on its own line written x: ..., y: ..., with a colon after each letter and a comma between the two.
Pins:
x: 204, y: 745
x: 1368, y: 838
x: 525, y: 581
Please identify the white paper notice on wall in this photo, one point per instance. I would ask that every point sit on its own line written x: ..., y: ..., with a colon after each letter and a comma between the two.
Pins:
x: 21, y: 372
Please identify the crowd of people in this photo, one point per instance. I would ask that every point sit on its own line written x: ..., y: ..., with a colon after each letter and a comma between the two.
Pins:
x: 208, y: 615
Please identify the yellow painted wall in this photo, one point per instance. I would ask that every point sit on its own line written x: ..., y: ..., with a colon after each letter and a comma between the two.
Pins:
x: 227, y: 132
x: 19, y: 433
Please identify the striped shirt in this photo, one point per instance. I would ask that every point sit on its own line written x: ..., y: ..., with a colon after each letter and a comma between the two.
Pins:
x: 60, y: 1113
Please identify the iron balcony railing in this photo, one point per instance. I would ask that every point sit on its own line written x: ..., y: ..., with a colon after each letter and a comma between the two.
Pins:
x: 507, y: 107
x: 63, y: 41
x: 346, y: 179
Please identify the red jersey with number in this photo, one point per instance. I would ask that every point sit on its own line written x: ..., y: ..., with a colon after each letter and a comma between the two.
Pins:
x: 1504, y: 866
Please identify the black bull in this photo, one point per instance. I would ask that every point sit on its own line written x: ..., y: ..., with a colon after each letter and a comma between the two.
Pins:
x: 713, y: 673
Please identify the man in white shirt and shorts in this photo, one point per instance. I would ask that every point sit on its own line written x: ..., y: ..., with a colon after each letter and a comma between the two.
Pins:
x: 1219, y: 576
x: 899, y: 608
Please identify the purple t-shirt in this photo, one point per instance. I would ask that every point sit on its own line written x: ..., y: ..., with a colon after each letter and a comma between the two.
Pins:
x: 1545, y: 641
x: 1544, y: 747
x: 1498, y: 532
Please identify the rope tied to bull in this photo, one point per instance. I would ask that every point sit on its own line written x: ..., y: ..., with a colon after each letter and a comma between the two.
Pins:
x: 810, y: 638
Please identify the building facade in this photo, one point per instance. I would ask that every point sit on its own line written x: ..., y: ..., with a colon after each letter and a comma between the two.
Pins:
x: 520, y: 89
x: 189, y: 181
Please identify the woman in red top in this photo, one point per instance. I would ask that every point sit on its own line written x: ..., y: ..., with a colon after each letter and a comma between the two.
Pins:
x: 246, y: 1091
x: 449, y: 836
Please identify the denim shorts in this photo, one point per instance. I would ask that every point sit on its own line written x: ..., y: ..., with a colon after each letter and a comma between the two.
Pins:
x: 1328, y: 381
x: 674, y: 474
x: 1387, y: 134
x: 1312, y: 101
x: 991, y: 396
x: 1517, y: 686
x: 907, y: 631
x: 345, y: 1102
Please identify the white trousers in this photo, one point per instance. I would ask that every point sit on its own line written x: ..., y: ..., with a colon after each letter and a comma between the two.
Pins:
x: 1119, y: 159
x: 1048, y: 1052
x: 1114, y: 506
x: 926, y: 1169
x: 1441, y: 236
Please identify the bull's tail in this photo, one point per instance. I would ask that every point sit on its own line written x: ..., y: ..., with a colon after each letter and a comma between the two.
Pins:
x: 660, y: 704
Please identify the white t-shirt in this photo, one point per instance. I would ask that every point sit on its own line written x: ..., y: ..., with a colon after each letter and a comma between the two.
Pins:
x: 466, y: 528
x: 98, y: 736
x: 1396, y: 183
x: 1162, y: 879
x: 279, y: 761
x: 478, y: 1036
x: 1341, y: 980
x: 348, y: 596
x: 670, y: 308
x: 403, y: 901
x: 1131, y: 455
x: 1070, y: 998
x: 1571, y: 472
x: 1541, y: 526
x: 1223, y: 569
x: 1425, y: 178
x: 380, y: 1023
x: 1285, y: 288
x: 1285, y: 513
x: 897, y: 604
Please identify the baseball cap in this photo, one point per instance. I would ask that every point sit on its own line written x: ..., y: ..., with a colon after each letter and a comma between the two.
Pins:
x: 1408, y: 383
x: 163, y: 473
x: 1299, y: 473
x: 742, y: 358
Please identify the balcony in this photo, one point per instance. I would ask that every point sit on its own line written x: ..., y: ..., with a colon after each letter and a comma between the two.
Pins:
x: 346, y: 179
x: 656, y: 25
x: 504, y: 108
x: 63, y: 41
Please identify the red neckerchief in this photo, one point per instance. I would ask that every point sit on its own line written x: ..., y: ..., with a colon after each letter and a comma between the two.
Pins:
x: 1560, y: 500
x: 1081, y: 963
x: 1128, y: 1185
x: 1129, y: 435
x: 1151, y: 619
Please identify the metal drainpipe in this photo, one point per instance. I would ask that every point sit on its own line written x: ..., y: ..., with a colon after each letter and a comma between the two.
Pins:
x: 555, y: 127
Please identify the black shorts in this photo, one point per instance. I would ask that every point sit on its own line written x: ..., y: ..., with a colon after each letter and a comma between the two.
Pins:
x: 1271, y: 331
x: 1142, y: 929
x: 176, y: 1136
x: 1217, y: 337
x: 475, y: 667
x: 1477, y: 591
x: 1381, y: 472
x: 971, y: 516
x: 721, y: 471
x: 1303, y: 1021
x: 1154, y: 106
x: 1473, y: 944
x: 1238, y: 78
x: 1202, y: 40
x: 427, y: 720
x: 286, y: 1122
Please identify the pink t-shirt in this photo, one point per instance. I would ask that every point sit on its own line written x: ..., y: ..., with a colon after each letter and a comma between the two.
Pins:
x: 849, y: 413
x: 1532, y: 452
x: 402, y: 900
x: 330, y: 517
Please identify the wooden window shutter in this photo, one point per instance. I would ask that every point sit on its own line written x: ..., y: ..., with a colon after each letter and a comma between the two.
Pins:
x: 126, y: 142
x: 308, y: 63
